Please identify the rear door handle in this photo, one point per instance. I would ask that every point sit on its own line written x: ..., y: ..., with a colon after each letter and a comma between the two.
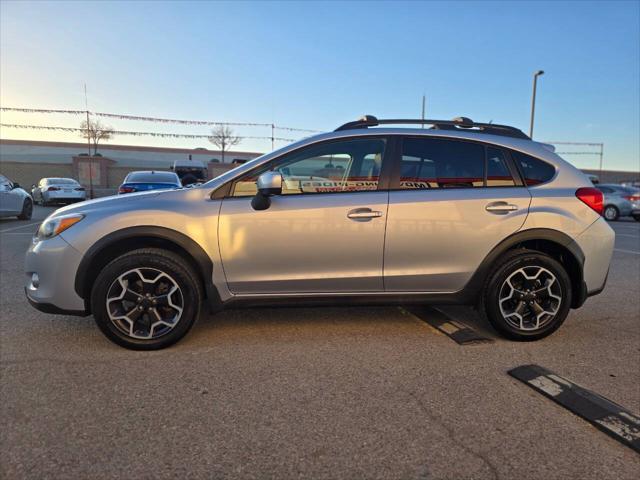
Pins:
x: 501, y: 208
x: 363, y: 214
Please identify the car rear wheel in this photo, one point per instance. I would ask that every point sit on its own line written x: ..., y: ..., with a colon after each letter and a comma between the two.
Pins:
x: 146, y: 299
x: 527, y: 296
x: 611, y: 213
x: 636, y: 218
x: 27, y: 210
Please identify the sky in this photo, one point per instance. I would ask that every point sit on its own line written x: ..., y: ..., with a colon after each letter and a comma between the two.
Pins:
x: 318, y: 65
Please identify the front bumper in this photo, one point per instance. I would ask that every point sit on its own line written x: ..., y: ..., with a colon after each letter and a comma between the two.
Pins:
x: 56, y: 263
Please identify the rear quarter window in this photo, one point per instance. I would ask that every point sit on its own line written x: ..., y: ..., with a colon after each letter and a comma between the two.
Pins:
x: 533, y: 170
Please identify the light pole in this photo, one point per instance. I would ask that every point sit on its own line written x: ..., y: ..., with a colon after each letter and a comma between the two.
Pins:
x: 533, y: 100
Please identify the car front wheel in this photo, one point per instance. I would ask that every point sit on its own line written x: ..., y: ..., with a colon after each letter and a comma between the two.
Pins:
x: 527, y: 296
x: 146, y: 299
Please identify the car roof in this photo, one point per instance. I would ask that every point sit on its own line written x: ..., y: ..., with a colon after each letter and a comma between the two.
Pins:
x: 525, y: 145
x: 567, y: 175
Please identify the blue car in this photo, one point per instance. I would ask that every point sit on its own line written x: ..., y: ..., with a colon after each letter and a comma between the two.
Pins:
x: 149, y: 180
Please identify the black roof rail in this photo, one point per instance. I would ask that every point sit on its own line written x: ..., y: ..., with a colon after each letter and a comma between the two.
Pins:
x: 459, y: 123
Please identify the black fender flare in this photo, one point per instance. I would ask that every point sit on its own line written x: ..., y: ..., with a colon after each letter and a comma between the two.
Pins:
x: 202, y: 260
x: 474, y: 286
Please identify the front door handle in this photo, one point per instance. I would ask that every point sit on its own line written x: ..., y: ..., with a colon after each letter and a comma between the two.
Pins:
x: 501, y: 208
x: 363, y: 214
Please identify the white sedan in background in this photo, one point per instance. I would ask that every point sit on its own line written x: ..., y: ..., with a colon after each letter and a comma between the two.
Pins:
x: 14, y: 201
x: 58, y: 190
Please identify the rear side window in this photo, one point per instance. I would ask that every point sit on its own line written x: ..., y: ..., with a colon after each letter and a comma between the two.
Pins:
x: 498, y: 174
x: 439, y: 163
x: 534, y: 171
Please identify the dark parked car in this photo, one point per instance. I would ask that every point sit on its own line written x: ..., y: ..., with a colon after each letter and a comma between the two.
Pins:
x: 149, y: 180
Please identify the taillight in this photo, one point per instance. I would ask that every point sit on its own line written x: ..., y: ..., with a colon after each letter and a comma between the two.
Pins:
x: 126, y: 190
x: 52, y: 189
x: 632, y: 198
x: 592, y: 197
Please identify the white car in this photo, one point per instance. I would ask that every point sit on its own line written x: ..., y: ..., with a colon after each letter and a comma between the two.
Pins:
x: 14, y: 201
x: 58, y: 190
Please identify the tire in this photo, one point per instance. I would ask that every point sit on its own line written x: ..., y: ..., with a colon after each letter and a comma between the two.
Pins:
x: 611, y: 213
x: 27, y: 210
x: 134, y: 320
x: 636, y: 218
x: 538, y: 319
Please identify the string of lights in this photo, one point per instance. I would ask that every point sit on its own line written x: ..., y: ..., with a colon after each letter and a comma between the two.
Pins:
x: 133, y: 133
x: 141, y: 118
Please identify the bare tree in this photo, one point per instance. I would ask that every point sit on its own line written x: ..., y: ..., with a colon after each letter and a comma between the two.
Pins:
x: 223, y: 138
x: 96, y: 132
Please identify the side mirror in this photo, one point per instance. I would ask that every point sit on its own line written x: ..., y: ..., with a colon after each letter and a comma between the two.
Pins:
x: 269, y: 183
x: 16, y: 185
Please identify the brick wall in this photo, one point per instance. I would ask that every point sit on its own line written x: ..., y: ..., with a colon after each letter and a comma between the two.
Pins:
x: 614, y: 176
x: 27, y: 174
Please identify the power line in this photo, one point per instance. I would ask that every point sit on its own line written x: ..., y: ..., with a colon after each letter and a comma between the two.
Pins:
x: 132, y: 133
x: 141, y: 118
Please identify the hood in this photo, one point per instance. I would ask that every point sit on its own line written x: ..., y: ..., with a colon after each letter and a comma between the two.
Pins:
x: 108, y: 202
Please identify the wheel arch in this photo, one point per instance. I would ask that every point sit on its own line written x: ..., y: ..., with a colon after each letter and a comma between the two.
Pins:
x: 554, y: 243
x: 121, y: 241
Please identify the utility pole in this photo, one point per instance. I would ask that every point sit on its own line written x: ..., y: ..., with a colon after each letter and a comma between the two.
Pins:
x: 601, y: 155
x: 273, y: 127
x: 533, y: 100
x: 423, y: 108
x: 86, y: 104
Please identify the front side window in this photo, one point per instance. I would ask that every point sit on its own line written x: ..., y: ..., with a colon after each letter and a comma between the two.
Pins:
x: 335, y: 167
x: 440, y: 163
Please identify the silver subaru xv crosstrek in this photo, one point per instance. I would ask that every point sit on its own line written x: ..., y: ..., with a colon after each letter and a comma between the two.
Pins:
x: 457, y: 213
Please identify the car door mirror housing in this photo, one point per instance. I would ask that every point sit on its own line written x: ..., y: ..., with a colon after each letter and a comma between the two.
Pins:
x: 269, y: 183
x: 16, y: 185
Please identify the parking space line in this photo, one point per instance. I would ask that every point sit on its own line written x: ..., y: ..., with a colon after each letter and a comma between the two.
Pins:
x: 20, y: 227
x: 626, y: 251
x: 457, y: 331
x: 607, y: 416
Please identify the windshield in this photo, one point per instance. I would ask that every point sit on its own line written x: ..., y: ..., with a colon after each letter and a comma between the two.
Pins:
x: 256, y: 161
x: 155, y: 177
x: 61, y: 181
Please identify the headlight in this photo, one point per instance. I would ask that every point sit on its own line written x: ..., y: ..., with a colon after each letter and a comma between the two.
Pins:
x: 54, y: 226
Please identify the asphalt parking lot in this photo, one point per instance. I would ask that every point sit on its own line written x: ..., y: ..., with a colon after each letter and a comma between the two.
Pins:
x: 311, y: 393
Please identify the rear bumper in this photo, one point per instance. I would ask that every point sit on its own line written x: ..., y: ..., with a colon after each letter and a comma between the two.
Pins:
x: 597, y: 243
x: 64, y: 196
